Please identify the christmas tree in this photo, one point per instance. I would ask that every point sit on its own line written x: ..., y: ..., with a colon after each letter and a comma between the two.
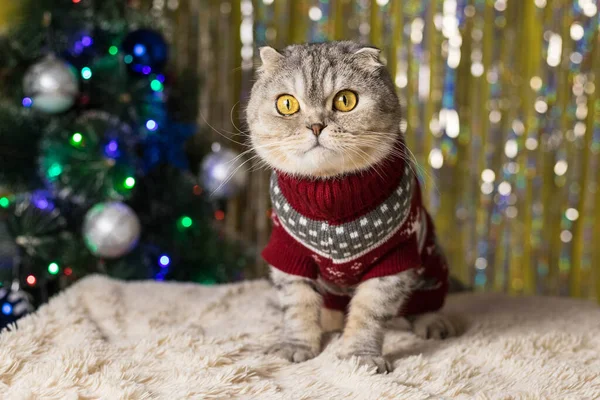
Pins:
x: 95, y: 173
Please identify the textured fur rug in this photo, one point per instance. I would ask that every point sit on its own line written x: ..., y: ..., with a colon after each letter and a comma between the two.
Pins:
x: 105, y: 339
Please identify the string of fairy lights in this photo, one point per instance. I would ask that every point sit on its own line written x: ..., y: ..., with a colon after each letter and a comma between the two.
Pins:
x: 502, y: 116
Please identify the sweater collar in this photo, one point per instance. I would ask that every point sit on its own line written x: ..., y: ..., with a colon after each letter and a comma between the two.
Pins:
x: 343, y: 198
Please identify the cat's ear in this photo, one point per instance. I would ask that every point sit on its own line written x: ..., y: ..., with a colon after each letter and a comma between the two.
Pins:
x: 270, y: 58
x: 369, y: 57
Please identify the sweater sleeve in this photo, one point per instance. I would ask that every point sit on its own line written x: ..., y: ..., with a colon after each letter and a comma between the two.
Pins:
x: 286, y: 254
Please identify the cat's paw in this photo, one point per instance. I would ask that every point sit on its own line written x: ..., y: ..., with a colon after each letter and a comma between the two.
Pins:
x: 433, y: 326
x: 294, y: 352
x: 379, y: 363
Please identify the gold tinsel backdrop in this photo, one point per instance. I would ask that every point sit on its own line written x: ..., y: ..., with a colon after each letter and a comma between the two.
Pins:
x: 502, y: 115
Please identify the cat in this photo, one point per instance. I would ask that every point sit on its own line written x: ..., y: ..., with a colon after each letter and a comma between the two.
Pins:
x: 351, y: 240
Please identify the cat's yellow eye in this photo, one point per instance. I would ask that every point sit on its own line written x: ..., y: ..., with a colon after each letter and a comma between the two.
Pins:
x: 345, y: 101
x: 287, y: 104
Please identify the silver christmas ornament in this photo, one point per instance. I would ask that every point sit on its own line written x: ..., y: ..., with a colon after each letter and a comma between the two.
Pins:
x: 111, y: 230
x: 52, y: 85
x: 223, y: 174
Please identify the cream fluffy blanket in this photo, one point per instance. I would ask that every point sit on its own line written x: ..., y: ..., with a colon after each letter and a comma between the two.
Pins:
x: 105, y: 339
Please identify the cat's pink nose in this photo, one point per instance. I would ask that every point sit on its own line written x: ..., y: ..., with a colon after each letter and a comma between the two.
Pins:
x: 317, y: 128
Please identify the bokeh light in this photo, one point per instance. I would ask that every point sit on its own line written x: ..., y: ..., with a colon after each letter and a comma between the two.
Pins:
x: 186, y: 221
x: 53, y: 268
x: 31, y: 280
x: 86, y: 73
x: 129, y: 182
x: 164, y: 260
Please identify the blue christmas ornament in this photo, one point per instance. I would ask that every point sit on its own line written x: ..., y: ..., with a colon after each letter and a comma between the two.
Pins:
x: 169, y: 146
x: 145, y: 51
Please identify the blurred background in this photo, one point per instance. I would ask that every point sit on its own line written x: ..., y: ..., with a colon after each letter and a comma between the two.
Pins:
x: 124, y: 150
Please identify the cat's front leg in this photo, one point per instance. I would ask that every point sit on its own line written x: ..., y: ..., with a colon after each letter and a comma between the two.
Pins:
x: 375, y: 301
x: 301, y: 305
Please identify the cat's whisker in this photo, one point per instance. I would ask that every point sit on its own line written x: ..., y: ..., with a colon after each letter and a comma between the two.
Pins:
x: 422, y: 169
x: 232, y: 173
x: 241, y: 132
x: 260, y: 165
x: 408, y: 153
x: 222, y: 134
x: 381, y: 147
x: 250, y: 150
x: 358, y: 151
x: 256, y: 165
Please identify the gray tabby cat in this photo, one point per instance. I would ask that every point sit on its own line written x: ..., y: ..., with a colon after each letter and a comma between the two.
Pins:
x: 311, y: 75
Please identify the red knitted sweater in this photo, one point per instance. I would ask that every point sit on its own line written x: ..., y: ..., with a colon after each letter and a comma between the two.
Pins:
x: 346, y: 230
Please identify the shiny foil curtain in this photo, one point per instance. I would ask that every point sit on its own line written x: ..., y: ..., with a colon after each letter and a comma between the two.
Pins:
x: 501, y: 113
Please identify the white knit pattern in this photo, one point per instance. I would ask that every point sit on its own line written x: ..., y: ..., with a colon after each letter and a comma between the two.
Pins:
x: 351, y: 240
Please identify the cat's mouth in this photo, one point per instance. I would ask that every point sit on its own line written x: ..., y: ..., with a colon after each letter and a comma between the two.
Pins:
x: 317, y: 147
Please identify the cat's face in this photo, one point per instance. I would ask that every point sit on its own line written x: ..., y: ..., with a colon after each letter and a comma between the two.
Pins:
x: 322, y: 110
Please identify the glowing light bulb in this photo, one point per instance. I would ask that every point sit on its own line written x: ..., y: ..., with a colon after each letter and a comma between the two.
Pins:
x: 164, y: 260
x: 186, y: 222
x: 27, y: 102
x: 151, y: 125
x: 7, y: 309
x: 139, y: 50
x: 76, y: 139
x: 113, y: 50
x: 128, y: 59
x: 4, y: 202
x: 86, y: 73
x: 87, y: 41
x: 156, y: 85
x: 129, y: 182
x: 112, y: 146
x: 53, y: 268
x: 31, y: 280
x: 54, y: 170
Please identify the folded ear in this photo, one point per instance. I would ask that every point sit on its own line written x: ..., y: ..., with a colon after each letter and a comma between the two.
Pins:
x: 369, y: 57
x: 270, y: 58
